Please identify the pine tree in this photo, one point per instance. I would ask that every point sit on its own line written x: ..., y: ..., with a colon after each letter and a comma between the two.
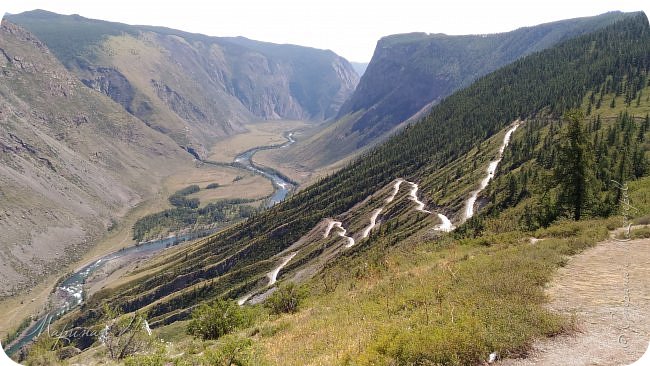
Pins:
x: 574, y: 170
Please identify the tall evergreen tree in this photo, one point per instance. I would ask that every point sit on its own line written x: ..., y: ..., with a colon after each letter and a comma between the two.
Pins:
x: 574, y: 169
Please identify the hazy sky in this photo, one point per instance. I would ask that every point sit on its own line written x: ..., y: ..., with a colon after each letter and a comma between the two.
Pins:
x: 348, y: 27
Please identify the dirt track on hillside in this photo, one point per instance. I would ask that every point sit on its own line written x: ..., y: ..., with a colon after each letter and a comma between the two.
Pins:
x: 607, y: 287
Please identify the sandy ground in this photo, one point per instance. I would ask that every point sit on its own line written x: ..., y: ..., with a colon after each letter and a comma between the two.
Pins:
x: 607, y: 289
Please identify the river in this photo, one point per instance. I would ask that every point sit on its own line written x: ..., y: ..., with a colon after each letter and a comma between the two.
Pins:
x: 281, y: 184
x: 69, y: 293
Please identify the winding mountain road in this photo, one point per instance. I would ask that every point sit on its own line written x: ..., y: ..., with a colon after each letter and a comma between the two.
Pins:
x: 413, y: 197
x: 491, y: 170
x: 445, y: 226
x: 342, y: 232
x: 373, y: 223
x: 273, y: 275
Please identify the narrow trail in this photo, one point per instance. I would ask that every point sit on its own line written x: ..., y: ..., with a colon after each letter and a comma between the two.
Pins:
x: 330, y: 225
x: 491, y: 170
x: 605, y: 289
x: 273, y: 275
x: 373, y: 222
x: 342, y: 232
x: 445, y: 224
x: 398, y: 182
x: 245, y: 298
x: 413, y: 197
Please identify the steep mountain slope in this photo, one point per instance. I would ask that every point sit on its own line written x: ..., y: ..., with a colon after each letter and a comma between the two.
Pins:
x: 447, y: 154
x: 72, y: 162
x: 360, y: 67
x: 411, y: 72
x: 193, y: 87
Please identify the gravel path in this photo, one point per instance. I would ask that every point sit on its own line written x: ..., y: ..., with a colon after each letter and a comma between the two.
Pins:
x: 607, y: 287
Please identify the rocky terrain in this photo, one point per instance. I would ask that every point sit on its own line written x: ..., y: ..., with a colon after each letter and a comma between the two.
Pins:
x: 73, y: 161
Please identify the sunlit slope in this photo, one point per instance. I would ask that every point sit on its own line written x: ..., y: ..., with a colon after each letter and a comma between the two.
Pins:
x: 446, y: 154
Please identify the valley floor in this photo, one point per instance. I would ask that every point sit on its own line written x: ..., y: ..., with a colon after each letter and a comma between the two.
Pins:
x: 606, y: 289
x: 234, y: 183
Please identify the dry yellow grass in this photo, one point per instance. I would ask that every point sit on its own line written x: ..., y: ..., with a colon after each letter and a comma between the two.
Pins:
x: 259, y: 134
x: 249, y: 186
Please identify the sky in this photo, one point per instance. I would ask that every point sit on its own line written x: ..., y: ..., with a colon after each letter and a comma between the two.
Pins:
x: 350, y: 28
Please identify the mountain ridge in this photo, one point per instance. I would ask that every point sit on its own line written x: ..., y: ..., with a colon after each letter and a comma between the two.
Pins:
x: 73, y: 161
x: 410, y: 71
x: 195, y: 88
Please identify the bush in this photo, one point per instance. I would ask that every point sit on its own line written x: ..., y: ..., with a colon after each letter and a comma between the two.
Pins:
x: 286, y: 299
x: 642, y: 233
x: 181, y: 201
x: 217, y: 319
x: 145, y: 360
x: 188, y: 190
x: 178, y: 199
x: 125, y: 335
x: 234, y: 350
x: 42, y: 352
x: 212, y: 186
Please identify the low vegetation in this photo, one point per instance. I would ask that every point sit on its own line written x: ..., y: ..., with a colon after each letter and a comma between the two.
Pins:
x: 179, y: 198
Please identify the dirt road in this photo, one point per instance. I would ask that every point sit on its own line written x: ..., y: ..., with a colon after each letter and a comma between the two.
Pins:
x: 607, y: 287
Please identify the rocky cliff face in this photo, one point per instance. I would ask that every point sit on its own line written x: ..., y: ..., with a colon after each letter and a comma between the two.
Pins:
x: 71, y: 160
x: 409, y: 72
x: 296, y: 82
x: 196, y: 88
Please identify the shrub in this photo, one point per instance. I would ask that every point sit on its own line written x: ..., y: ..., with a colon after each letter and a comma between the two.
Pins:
x: 42, y: 352
x: 178, y: 199
x: 124, y: 336
x: 156, y: 359
x: 188, y: 190
x: 217, y: 319
x: 212, y: 186
x: 642, y: 233
x: 286, y: 299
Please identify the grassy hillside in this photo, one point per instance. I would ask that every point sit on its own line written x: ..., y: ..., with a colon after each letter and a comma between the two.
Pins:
x: 406, y: 296
x: 476, y: 113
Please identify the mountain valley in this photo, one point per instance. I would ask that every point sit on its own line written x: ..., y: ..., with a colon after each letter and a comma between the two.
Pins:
x: 453, y: 206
